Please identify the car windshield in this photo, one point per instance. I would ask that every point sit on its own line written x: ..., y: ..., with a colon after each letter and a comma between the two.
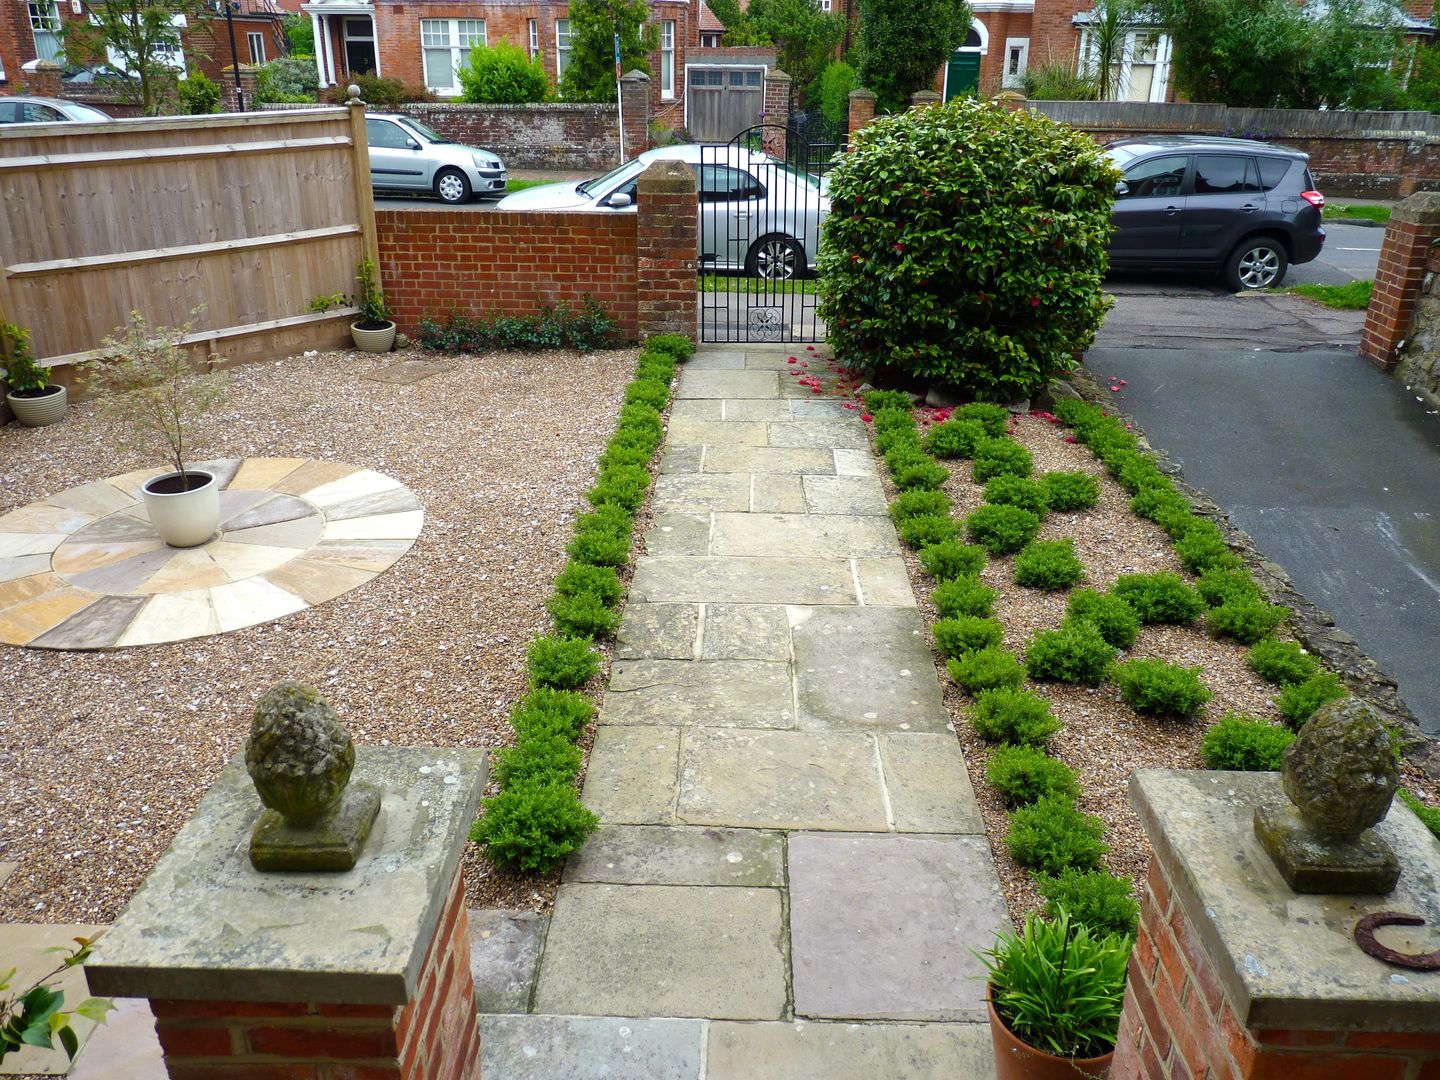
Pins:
x: 431, y: 135
x: 1120, y: 154
x: 84, y: 112
x: 590, y: 187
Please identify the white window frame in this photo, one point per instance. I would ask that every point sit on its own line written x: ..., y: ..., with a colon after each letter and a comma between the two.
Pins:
x: 1015, y: 47
x: 1159, y: 81
x: 534, y: 33
x: 562, y: 48
x: 458, y: 47
x: 171, y: 56
x: 825, y: 6
x: 667, y: 59
x: 44, y: 19
x: 256, y: 41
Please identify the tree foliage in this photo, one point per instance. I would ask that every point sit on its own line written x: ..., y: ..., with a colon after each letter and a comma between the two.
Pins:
x: 903, y: 43
x: 502, y: 74
x: 138, y: 36
x: 590, y: 71
x: 805, y: 37
x: 299, y: 35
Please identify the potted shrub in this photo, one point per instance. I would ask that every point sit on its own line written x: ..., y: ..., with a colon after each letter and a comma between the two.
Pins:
x: 374, y: 331
x: 1054, y: 995
x: 34, y: 399
x: 154, y: 389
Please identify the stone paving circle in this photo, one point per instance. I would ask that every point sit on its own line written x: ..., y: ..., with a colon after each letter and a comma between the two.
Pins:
x: 86, y: 570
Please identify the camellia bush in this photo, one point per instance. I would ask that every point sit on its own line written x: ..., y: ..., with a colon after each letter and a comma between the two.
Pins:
x: 966, y: 247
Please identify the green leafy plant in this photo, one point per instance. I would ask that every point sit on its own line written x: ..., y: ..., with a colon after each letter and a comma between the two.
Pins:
x: 895, y: 438
x: 977, y: 260
x: 919, y: 503
x: 1114, y: 618
x: 965, y: 633
x: 1282, y: 662
x: 1162, y: 505
x: 876, y: 401
x: 927, y: 530
x: 1160, y: 597
x: 952, y: 559
x: 679, y: 346
x: 836, y: 82
x: 927, y: 474
x: 902, y: 44
x: 369, y: 298
x: 1247, y: 621
x: 1134, y: 471
x: 1001, y: 457
x: 1075, y: 653
x: 954, y: 438
x: 1001, y: 530
x: 1048, y: 565
x: 963, y: 596
x: 1008, y: 715
x: 533, y: 826
x: 542, y: 759
x: 35, y: 1016
x: 1203, y: 548
x: 1023, y: 774
x: 386, y: 93
x: 590, y: 70
x: 290, y: 79
x: 1298, y: 701
x: 325, y: 301
x: 905, y: 451
x: 1223, y: 585
x: 1056, y: 81
x: 585, y: 328
x: 199, y: 94
x: 1245, y: 743
x: 583, y: 615
x: 986, y: 669
x: 561, y: 662
x: 995, y: 419
x: 891, y: 417
x: 502, y: 74
x: 620, y: 485
x: 651, y: 392
x: 1096, y: 899
x: 1052, y: 834
x: 578, y: 578
x: 24, y: 376
x: 547, y: 711
x: 1157, y: 688
x: 1069, y: 491
x: 1010, y: 490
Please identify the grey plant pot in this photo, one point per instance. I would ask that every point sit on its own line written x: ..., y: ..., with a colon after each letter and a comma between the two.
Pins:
x: 377, y: 341
x: 39, y: 411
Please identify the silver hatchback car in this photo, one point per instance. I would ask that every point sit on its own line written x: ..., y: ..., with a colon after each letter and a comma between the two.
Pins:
x: 45, y: 110
x: 405, y: 155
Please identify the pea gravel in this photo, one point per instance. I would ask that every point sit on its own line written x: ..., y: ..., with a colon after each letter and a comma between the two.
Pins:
x: 103, y: 755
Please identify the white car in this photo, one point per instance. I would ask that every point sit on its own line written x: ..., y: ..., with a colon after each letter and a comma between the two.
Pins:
x: 757, y: 214
x: 405, y: 155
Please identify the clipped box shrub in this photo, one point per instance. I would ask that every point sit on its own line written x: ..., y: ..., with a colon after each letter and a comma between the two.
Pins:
x: 545, y: 711
x: 1298, y: 701
x: 578, y: 578
x: 1010, y: 490
x: 910, y: 504
x: 625, y: 453
x: 1069, y: 491
x: 1096, y: 899
x: 599, y: 547
x: 963, y: 596
x: 965, y: 633
x: 986, y: 669
x: 995, y: 419
x: 1247, y: 621
x: 583, y: 615
x: 929, y: 475
x: 640, y: 418
x: 657, y: 367
x: 954, y: 438
x: 1245, y: 743
x: 1053, y: 835
x: 1203, y: 548
x: 906, y: 453
x: 1008, y: 715
x: 1222, y: 584
x: 950, y: 269
x: 1023, y: 774
x: 1001, y: 530
x: 562, y: 663
x: 928, y: 529
x: 621, y: 485
x: 651, y: 392
x: 895, y: 438
x: 1134, y: 471
x: 876, y: 401
x: 533, y: 826
x: 1075, y: 653
x: 1048, y: 565
x: 1157, y: 688
x: 890, y: 418
x: 1282, y: 662
x: 1160, y: 597
x: 1160, y: 503
x: 679, y: 346
x: 543, y: 759
x: 1113, y: 617
x: 1001, y: 456
x: 952, y: 559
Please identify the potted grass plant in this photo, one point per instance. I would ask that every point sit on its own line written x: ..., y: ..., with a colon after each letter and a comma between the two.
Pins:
x: 153, y: 388
x: 1055, y: 992
x: 33, y: 398
x: 374, y: 331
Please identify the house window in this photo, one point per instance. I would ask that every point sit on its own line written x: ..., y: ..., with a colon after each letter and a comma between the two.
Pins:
x: 257, y: 46
x: 1017, y: 57
x: 534, y: 27
x: 446, y: 44
x: 562, y: 47
x: 45, y: 26
x: 1140, y: 70
x: 825, y: 5
x: 667, y: 58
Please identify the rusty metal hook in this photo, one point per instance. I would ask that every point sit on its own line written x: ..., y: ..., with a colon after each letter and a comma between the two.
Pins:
x: 1365, y: 938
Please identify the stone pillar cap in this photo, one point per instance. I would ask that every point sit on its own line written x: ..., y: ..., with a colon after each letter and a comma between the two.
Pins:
x: 863, y: 94
x: 41, y: 65
x: 1422, y: 208
x: 776, y: 75
x: 634, y: 75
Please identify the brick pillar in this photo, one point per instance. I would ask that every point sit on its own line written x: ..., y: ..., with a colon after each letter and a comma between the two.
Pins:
x: 635, y: 107
x: 42, y: 78
x: 1236, y: 977
x: 248, y: 75
x: 924, y: 99
x: 1414, y: 226
x: 862, y: 109
x: 665, y: 248
x: 776, y: 112
x: 1011, y: 100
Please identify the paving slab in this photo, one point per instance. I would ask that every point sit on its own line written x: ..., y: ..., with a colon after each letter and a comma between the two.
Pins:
x: 687, y: 494
x: 825, y: 535
x: 844, y: 495
x: 756, y: 409
x: 928, y: 784
x: 718, y: 693
x: 631, y: 777
x: 781, y: 780
x: 655, y: 855
x: 883, y: 927
x: 716, y: 360
x: 658, y: 632
x: 769, y: 459
x: 854, y: 463
x: 776, y: 493
x: 664, y: 950
x: 825, y: 432
x: 682, y: 459
x: 698, y: 383
x: 697, y: 409
x: 884, y: 583
x: 504, y: 955
x: 589, y: 1048
x: 23, y: 946
x: 678, y: 534
x: 716, y: 580
x: 745, y: 632
x: 865, y: 668
x: 124, y: 1046
x: 828, y: 1051
x: 684, y: 432
x: 822, y: 408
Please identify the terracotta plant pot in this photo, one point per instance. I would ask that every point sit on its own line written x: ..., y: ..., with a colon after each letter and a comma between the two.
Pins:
x: 1015, y: 1060
x: 378, y: 341
x: 183, y: 507
x: 38, y: 409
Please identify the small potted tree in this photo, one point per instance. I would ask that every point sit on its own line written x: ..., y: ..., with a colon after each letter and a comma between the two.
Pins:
x: 154, y: 389
x: 375, y: 330
x: 1055, y: 993
x: 34, y: 399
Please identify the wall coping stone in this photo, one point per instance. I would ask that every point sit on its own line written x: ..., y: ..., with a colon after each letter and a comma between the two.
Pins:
x: 1422, y: 208
x: 207, y: 926
x: 1287, y: 960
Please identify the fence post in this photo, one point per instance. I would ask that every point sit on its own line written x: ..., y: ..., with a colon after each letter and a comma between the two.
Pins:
x: 862, y: 109
x: 666, y: 243
x: 1414, y: 227
x: 364, y: 194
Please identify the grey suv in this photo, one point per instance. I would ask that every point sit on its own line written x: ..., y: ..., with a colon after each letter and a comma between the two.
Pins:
x: 1247, y: 209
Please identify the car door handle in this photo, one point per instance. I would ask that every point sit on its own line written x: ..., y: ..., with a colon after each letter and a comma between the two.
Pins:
x: 1170, y: 211
x: 1249, y: 208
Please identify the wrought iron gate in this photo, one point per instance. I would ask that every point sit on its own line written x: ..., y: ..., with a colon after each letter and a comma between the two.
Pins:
x: 761, y: 209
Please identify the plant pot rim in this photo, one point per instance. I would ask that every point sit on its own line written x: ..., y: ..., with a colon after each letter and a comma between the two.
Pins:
x: 210, y: 479
x: 375, y: 327
x: 51, y: 389
x: 997, y: 1019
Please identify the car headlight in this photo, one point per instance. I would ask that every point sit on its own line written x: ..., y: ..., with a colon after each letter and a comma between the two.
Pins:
x: 486, y: 162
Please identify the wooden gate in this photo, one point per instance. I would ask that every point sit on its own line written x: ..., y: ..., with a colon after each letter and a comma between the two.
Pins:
x: 723, y: 101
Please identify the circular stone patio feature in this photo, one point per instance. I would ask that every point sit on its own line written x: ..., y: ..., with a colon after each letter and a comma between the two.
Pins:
x: 86, y: 570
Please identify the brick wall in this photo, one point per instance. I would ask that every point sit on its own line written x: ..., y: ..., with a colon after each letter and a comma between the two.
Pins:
x: 434, y: 262
x: 532, y: 136
x: 434, y: 1036
x: 665, y: 249
x: 1405, y: 259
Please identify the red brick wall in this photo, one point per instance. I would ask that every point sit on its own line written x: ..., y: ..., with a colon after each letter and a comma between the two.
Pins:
x: 665, y: 249
x: 1405, y: 256
x: 434, y: 262
x: 1178, y: 1024
x: 434, y: 1036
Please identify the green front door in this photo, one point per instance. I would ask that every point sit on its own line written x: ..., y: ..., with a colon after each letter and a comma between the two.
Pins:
x: 962, y: 77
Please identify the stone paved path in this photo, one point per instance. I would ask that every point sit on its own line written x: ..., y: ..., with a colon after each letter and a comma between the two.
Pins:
x: 792, y: 869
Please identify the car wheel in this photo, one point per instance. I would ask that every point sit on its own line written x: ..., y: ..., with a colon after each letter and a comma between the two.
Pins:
x: 776, y: 258
x: 1258, y: 263
x: 451, y: 186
